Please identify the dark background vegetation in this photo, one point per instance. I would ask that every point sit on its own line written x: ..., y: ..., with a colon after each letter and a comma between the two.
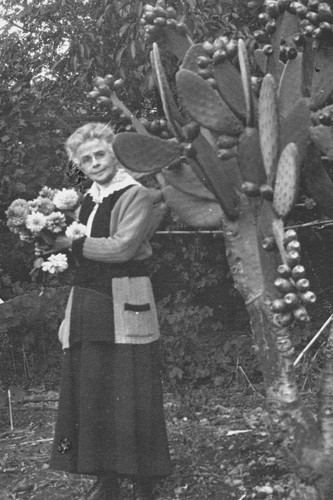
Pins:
x: 50, y: 52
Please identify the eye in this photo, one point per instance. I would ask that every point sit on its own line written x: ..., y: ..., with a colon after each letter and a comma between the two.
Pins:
x: 85, y: 159
x: 100, y: 154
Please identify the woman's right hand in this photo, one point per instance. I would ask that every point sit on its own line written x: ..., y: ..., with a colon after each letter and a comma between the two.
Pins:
x: 41, y: 249
x: 62, y: 243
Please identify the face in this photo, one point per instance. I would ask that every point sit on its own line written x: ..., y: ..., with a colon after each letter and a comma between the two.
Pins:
x: 97, y: 161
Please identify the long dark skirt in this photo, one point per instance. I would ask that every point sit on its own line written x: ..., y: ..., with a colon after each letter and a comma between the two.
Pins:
x: 110, y: 415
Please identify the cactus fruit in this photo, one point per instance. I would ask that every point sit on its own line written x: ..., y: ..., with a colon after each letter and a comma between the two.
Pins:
x: 284, y: 271
x: 287, y: 180
x: 189, y: 150
x: 284, y: 285
x: 315, y: 17
x: 267, y: 192
x: 104, y: 86
x: 293, y: 258
x: 300, y: 314
x: 289, y: 235
x: 308, y: 297
x: 268, y: 243
x: 283, y: 344
x: 302, y: 284
x: 292, y: 284
x: 298, y: 272
x: 204, y: 104
x: 250, y: 189
x: 157, y: 126
x: 226, y: 141
x: 226, y: 154
x: 283, y: 319
x: 155, y: 18
x: 191, y: 130
x: 267, y: 49
x: 293, y: 245
x: 278, y: 306
x: 291, y: 300
x: 269, y: 126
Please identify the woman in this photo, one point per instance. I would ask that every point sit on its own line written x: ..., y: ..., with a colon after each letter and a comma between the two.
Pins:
x: 110, y: 419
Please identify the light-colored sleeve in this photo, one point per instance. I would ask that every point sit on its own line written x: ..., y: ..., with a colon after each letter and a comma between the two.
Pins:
x: 129, y: 224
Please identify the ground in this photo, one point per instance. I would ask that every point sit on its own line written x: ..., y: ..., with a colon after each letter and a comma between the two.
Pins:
x: 220, y: 447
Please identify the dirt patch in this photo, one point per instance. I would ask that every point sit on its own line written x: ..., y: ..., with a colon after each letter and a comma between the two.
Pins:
x: 220, y: 447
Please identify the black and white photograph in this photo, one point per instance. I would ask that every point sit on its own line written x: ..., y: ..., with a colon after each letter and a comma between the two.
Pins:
x: 166, y: 250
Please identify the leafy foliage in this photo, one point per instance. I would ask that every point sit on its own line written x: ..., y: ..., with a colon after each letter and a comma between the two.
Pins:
x: 29, y: 346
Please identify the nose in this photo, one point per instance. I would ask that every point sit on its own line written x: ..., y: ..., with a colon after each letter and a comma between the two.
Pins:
x: 94, y: 161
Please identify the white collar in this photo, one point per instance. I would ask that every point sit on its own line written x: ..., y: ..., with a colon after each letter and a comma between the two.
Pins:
x: 121, y: 180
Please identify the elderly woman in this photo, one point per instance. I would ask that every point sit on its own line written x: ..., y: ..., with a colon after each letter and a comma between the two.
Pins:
x: 110, y: 419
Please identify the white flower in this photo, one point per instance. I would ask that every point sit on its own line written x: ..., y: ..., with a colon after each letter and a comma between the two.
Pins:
x: 56, y: 263
x: 55, y: 222
x: 66, y: 199
x: 36, y: 222
x: 76, y: 230
x: 40, y: 204
x: 46, y: 192
x: 17, y: 213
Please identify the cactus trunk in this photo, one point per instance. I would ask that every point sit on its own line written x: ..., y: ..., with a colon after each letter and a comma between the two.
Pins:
x: 253, y: 270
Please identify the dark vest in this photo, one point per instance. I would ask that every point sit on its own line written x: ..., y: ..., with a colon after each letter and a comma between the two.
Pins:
x: 92, y: 313
x: 98, y: 275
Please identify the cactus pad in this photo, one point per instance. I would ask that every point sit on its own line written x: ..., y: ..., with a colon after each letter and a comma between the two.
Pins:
x: 246, y: 81
x: 318, y: 182
x: 184, y: 179
x: 287, y: 180
x: 191, y: 56
x: 205, y: 105
x: 250, y: 158
x: 323, y: 138
x: 261, y: 60
x: 269, y: 127
x: 157, y: 215
x: 169, y: 106
x: 230, y: 87
x: 287, y: 26
x: 322, y: 81
x: 290, y: 85
x: 295, y: 128
x: 221, y: 176
x: 177, y: 43
x: 135, y: 122
x: 142, y: 153
x: 192, y: 210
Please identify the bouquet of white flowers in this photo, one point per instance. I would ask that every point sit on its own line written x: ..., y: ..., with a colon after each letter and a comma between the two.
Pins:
x: 42, y: 219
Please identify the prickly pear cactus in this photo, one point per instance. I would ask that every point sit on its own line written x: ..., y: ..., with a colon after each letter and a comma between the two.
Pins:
x: 233, y: 158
